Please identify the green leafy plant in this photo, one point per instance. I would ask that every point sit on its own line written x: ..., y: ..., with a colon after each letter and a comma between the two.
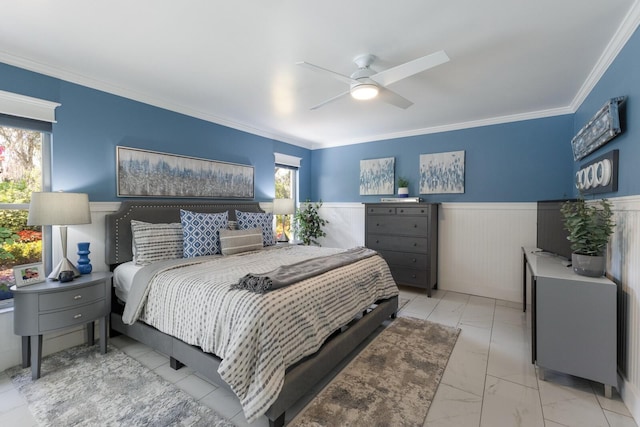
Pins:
x: 589, y: 226
x: 308, y: 224
x: 403, y: 182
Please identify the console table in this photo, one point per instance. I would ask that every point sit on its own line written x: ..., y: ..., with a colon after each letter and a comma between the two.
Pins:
x: 51, y: 305
x: 573, y: 320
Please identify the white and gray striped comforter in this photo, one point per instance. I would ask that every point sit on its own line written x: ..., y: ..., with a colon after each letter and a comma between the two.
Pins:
x: 257, y: 336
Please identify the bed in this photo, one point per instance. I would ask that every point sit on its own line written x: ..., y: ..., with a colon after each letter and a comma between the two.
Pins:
x: 347, y: 331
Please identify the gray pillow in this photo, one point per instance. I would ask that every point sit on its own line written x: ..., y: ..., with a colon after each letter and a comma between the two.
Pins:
x: 156, y: 242
x: 237, y: 241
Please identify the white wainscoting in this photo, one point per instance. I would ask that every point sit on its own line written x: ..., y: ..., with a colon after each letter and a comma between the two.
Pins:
x: 478, y: 243
x: 623, y: 265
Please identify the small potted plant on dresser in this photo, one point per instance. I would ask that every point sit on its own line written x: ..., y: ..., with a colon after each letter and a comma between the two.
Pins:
x: 589, y: 226
x: 403, y: 187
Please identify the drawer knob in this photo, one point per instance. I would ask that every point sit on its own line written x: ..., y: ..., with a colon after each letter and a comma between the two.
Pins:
x: 414, y: 260
x: 421, y: 210
x: 390, y: 210
x: 415, y: 244
x: 77, y: 316
x: 77, y: 297
x: 415, y: 225
x: 401, y: 210
x: 413, y: 276
x: 377, y: 225
x: 377, y: 241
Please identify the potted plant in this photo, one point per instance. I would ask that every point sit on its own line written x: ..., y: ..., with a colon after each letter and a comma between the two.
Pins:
x: 589, y: 226
x: 403, y: 187
x: 308, y: 224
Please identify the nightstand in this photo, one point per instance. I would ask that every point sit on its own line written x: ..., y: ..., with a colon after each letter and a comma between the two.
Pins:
x: 49, y: 306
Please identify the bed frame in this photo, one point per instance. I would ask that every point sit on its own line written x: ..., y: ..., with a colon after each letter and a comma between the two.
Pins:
x: 300, y: 378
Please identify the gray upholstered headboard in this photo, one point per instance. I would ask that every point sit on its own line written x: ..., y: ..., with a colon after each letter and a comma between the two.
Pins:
x: 118, y: 249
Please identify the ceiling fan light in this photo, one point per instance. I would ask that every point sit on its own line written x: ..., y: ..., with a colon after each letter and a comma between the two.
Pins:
x: 364, y: 91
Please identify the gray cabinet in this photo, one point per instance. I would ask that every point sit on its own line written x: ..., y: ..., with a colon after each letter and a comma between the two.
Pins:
x: 573, y: 320
x: 51, y: 305
x: 406, y: 235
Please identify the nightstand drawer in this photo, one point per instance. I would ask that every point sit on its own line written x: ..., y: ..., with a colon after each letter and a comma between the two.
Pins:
x: 72, y: 316
x: 71, y: 298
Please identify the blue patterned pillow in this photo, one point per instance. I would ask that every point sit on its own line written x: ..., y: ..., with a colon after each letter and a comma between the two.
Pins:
x: 258, y: 219
x: 201, y: 232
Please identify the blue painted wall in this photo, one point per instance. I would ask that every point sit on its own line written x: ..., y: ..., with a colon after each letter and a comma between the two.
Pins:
x: 514, y: 162
x: 91, y: 123
x: 621, y: 79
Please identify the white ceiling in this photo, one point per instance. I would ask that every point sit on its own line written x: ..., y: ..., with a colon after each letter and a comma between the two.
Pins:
x: 233, y: 62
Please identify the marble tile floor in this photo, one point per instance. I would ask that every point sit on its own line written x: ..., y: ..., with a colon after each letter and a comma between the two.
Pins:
x: 489, y: 380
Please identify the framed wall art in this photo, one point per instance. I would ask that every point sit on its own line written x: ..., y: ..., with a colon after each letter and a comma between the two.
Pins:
x: 377, y: 176
x: 602, y: 128
x: 442, y: 173
x: 144, y: 173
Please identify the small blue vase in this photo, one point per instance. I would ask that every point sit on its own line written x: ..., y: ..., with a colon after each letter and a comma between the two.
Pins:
x: 84, y: 263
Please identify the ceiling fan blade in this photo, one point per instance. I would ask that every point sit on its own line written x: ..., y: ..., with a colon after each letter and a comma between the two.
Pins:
x: 342, y: 78
x: 393, y: 98
x: 410, y: 68
x: 335, y: 98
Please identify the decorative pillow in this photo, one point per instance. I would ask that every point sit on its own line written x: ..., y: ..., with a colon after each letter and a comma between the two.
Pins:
x: 155, y: 242
x: 236, y: 241
x: 258, y: 219
x: 201, y: 232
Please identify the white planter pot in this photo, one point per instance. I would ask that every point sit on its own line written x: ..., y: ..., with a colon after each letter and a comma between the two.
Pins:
x: 403, y: 191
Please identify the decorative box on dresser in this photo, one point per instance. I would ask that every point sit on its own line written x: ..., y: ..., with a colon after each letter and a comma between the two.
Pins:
x: 406, y: 235
x: 52, y: 305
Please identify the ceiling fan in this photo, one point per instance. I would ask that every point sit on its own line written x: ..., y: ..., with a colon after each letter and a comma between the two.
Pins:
x: 367, y: 84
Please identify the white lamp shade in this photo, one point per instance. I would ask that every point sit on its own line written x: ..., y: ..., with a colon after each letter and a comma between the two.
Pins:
x: 59, y: 208
x: 283, y: 206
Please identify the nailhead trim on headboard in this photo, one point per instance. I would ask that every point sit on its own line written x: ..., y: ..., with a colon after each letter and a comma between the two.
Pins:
x: 117, y: 239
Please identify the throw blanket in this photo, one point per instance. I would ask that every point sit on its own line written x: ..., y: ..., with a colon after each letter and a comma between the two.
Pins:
x: 289, y: 274
x: 257, y: 336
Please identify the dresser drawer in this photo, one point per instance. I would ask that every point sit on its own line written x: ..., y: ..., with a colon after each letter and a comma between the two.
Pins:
x: 410, y: 225
x: 404, y: 259
x: 381, y: 210
x: 423, y: 212
x: 71, y: 298
x: 395, y: 243
x: 410, y: 276
x: 72, y: 316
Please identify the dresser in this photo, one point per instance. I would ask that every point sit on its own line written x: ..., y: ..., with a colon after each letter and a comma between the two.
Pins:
x: 406, y: 235
x: 52, y: 305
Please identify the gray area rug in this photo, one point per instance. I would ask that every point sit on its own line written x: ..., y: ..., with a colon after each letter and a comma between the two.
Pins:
x: 81, y: 387
x: 390, y: 383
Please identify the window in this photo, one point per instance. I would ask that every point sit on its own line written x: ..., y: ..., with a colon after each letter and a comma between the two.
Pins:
x: 285, y: 177
x: 21, y: 173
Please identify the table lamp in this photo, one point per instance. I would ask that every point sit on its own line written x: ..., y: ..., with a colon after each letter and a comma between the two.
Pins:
x: 283, y: 207
x: 62, y: 209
